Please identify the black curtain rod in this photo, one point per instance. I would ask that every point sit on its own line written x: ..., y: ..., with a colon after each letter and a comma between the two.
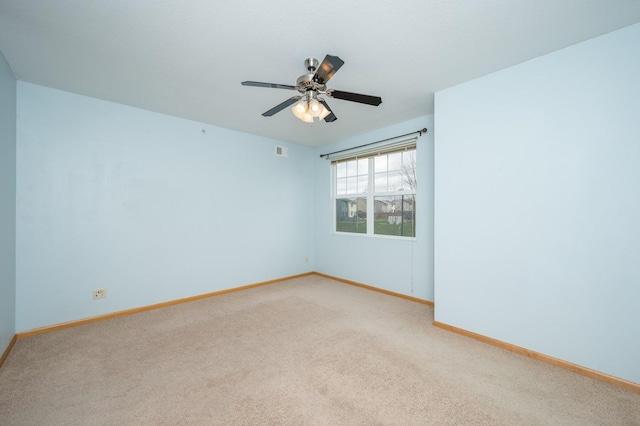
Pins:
x: 373, y: 143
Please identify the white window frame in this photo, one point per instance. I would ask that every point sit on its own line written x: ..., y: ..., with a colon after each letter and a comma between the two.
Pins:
x: 370, y: 195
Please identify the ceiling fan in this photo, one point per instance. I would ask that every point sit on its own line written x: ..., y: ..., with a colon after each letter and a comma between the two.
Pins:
x: 308, y: 105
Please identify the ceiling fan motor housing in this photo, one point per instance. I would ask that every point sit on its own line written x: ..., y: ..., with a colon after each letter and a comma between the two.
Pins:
x: 306, y: 82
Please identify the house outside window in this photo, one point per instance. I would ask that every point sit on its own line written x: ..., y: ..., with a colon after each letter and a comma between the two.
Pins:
x: 375, y: 192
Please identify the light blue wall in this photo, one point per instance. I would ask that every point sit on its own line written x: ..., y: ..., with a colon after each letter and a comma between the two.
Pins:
x: 7, y: 204
x: 151, y: 207
x: 537, y: 204
x: 400, y: 265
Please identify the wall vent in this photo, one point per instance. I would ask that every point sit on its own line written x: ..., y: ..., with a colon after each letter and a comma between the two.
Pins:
x: 282, y: 151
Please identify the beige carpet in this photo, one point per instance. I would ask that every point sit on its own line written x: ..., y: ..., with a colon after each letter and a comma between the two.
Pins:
x: 301, y: 352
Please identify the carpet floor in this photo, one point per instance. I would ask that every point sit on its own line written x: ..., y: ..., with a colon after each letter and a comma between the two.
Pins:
x: 307, y: 351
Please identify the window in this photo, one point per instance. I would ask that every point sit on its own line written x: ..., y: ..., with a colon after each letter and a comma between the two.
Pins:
x: 380, y: 186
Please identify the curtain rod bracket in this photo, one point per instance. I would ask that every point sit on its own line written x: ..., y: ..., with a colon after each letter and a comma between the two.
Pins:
x: 420, y: 133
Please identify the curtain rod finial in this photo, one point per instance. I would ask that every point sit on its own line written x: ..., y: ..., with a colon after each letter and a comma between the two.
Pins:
x: 422, y: 131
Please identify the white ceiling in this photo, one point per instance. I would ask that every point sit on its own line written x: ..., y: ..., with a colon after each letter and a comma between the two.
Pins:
x: 187, y: 58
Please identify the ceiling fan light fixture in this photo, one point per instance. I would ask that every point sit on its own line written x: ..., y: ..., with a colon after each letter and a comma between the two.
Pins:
x: 307, y: 118
x: 315, y: 107
x: 310, y: 109
x: 300, y: 110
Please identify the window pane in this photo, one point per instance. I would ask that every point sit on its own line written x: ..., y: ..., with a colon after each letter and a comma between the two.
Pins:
x: 394, y: 215
x: 363, y: 166
x: 352, y: 168
x: 395, y: 161
x: 409, y: 170
x: 341, y: 186
x: 381, y: 182
x: 341, y: 170
x: 351, y: 215
x: 352, y: 185
x: 380, y: 163
x: 395, y: 181
x: 409, y: 159
x: 363, y: 182
x: 410, y: 179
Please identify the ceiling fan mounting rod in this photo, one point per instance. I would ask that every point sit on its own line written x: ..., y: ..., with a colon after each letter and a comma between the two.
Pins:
x: 311, y: 64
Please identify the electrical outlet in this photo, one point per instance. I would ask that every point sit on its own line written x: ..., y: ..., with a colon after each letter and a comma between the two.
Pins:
x: 306, y: 259
x: 99, y: 293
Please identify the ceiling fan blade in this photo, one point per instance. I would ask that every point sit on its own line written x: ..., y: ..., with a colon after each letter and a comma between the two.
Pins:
x: 271, y: 85
x: 282, y: 106
x: 355, y: 97
x: 331, y: 117
x: 329, y: 66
